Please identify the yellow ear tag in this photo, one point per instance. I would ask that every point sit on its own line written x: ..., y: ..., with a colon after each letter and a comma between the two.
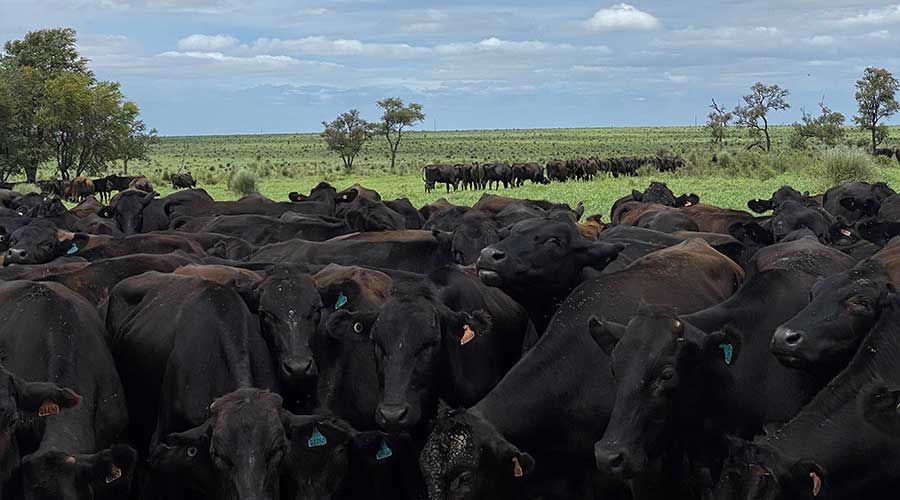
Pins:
x: 468, y: 335
x: 48, y: 408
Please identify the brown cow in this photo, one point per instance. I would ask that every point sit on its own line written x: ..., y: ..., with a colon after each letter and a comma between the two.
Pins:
x: 141, y: 183
x: 80, y: 189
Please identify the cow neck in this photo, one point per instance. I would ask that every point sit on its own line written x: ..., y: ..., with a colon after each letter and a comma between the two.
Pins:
x: 557, y: 396
x: 834, y: 412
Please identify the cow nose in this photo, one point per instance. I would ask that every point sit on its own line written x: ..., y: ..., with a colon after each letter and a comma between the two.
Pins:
x: 793, y: 338
x: 16, y: 254
x: 788, y: 337
x: 610, y: 461
x: 302, y: 368
x: 497, y: 255
x: 393, y: 414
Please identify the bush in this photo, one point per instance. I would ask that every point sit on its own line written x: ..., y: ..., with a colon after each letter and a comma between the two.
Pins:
x: 243, y: 182
x: 843, y: 164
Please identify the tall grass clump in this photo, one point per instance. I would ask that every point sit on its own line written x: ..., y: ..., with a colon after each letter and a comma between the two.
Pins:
x: 842, y: 164
x: 243, y: 182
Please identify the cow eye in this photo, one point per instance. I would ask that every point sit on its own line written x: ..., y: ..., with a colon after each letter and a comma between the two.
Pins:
x: 358, y: 327
x: 667, y: 374
x: 552, y: 241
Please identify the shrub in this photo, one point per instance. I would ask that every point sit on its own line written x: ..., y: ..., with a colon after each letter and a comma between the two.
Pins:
x: 243, y: 182
x: 843, y: 164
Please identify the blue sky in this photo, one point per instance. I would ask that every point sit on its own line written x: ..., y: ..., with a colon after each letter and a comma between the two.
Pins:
x: 228, y: 66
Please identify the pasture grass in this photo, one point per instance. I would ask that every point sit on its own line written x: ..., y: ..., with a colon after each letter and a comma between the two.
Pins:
x: 297, y: 162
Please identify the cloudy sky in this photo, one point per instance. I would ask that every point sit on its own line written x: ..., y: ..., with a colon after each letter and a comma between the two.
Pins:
x: 228, y: 66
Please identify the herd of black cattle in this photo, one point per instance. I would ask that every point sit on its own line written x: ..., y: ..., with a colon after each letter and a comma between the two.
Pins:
x: 341, y: 346
x: 492, y: 175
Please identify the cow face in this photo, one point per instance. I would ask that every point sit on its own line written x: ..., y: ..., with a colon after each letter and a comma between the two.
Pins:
x: 792, y: 216
x: 659, y: 364
x: 249, y: 443
x: 843, y: 308
x: 542, y: 256
x: 783, y: 194
x: 41, y: 242
x: 469, y: 238
x: 56, y: 475
x: 289, y: 309
x: 128, y: 210
x: 407, y: 333
x: 465, y: 458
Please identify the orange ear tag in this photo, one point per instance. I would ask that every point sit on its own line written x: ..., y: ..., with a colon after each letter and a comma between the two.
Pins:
x: 468, y: 335
x: 48, y: 408
x: 517, y: 468
x: 114, y: 473
x: 817, y: 483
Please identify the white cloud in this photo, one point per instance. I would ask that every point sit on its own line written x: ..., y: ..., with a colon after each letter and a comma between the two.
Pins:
x: 321, y: 46
x: 207, y: 43
x: 874, y: 17
x: 261, y: 62
x: 622, y: 17
x: 677, y: 78
x: 321, y: 11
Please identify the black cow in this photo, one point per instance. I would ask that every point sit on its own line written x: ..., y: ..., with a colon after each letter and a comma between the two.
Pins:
x: 684, y: 383
x: 783, y: 194
x: 835, y: 447
x: 415, y: 251
x: 533, y: 172
x: 497, y: 173
x: 136, y: 212
x: 47, y: 332
x: 855, y: 200
x: 264, y: 230
x: 540, y: 262
x: 557, y: 171
x: 449, y: 175
x: 571, y: 409
x: 183, y: 181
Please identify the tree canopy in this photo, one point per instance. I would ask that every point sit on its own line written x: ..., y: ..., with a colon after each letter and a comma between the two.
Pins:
x: 876, y: 96
x: 395, y: 118
x: 753, y: 114
x: 346, y: 135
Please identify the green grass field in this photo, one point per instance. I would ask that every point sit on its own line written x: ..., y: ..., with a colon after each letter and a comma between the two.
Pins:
x: 296, y: 162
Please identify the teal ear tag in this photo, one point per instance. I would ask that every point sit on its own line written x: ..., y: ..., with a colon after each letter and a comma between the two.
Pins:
x: 341, y: 301
x: 728, y: 349
x: 316, y: 439
x: 72, y: 250
x: 384, y: 452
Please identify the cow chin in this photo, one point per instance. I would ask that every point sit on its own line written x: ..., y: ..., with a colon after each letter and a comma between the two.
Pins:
x: 490, y: 278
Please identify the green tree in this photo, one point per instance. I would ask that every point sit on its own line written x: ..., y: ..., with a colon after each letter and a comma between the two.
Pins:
x: 135, y: 142
x: 85, y: 123
x: 27, y: 66
x: 827, y: 128
x: 876, y: 97
x: 753, y: 114
x: 346, y: 135
x: 396, y: 117
x: 717, y: 123
x: 9, y: 138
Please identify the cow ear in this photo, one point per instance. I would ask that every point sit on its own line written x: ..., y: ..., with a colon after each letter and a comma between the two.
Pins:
x: 520, y: 464
x: 110, y: 468
x: 760, y: 206
x: 579, y: 211
x: 465, y: 327
x: 348, y: 324
x: 724, y: 345
x: 636, y: 195
x: 444, y: 238
x: 599, y: 254
x: 44, y: 398
x: 605, y: 333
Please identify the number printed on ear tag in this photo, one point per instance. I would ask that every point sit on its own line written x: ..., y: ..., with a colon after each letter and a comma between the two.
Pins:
x: 316, y: 439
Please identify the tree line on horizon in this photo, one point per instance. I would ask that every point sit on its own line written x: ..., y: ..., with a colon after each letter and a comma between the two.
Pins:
x: 875, y: 97
x: 53, y: 108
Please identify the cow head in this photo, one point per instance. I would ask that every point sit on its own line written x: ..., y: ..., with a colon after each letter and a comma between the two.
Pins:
x: 880, y: 405
x: 250, y: 442
x: 41, y: 242
x: 783, y: 194
x: 465, y: 458
x: 791, y: 216
x: 128, y: 210
x: 474, y: 232
x: 289, y: 308
x: 659, y: 364
x: 407, y: 333
x: 544, y: 256
x: 56, y: 475
x: 843, y: 308
x: 757, y: 471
